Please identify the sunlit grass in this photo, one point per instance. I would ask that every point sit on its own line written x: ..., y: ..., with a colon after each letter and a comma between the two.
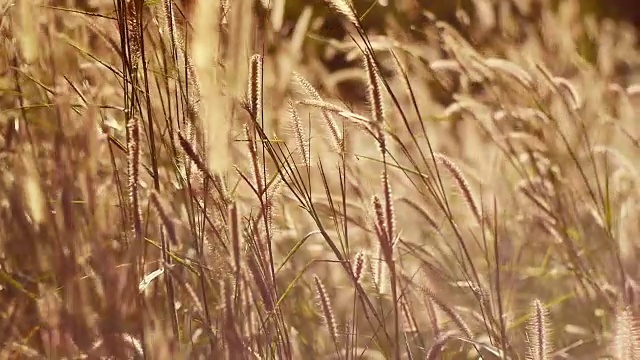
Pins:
x: 225, y: 180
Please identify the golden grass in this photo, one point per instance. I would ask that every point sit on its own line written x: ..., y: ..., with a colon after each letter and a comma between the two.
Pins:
x: 217, y: 187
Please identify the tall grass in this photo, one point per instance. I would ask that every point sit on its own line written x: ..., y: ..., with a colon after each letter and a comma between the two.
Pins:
x: 196, y: 180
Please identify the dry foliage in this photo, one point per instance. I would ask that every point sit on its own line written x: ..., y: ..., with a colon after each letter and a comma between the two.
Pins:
x: 192, y: 180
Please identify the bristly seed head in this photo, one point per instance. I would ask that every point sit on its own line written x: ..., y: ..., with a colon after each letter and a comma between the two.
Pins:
x: 345, y: 7
x: 325, y: 107
x: 133, y: 163
x: 626, y: 340
x: 327, y: 309
x: 255, y: 86
x: 303, y: 144
x: 374, y: 90
x: 539, y: 333
x: 460, y: 180
x: 390, y: 216
x: 358, y: 265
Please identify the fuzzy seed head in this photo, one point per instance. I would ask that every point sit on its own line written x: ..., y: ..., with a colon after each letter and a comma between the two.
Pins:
x: 539, y: 333
x: 327, y: 309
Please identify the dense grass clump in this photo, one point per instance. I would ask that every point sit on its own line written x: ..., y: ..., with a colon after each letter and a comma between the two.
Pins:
x: 214, y: 179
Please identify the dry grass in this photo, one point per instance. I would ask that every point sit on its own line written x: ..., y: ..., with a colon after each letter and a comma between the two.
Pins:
x: 209, y: 188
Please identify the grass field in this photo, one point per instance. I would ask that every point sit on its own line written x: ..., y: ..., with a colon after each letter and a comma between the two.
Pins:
x: 269, y: 180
